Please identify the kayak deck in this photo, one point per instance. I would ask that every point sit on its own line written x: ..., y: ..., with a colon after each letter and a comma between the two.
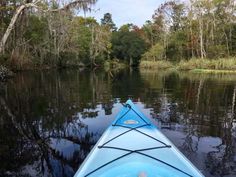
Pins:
x: 132, y: 147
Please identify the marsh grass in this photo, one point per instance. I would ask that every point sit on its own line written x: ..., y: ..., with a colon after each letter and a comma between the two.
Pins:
x: 208, y: 65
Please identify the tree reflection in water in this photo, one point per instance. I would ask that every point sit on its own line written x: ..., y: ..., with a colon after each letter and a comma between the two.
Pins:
x: 50, y: 120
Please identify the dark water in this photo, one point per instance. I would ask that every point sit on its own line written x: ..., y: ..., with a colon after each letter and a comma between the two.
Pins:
x: 50, y: 120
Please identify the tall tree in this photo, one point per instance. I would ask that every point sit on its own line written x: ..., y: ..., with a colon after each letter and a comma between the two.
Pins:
x: 127, y: 45
x: 107, y: 21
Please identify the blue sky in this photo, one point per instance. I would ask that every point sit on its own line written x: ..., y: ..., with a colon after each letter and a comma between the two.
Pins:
x: 126, y: 11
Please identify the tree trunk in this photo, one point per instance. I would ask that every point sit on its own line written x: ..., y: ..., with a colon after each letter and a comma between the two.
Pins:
x: 201, y: 38
x: 91, y: 51
x: 12, y: 23
x: 227, y: 43
x: 130, y: 61
x: 191, y: 38
x: 191, y: 31
x: 213, y: 29
x: 10, y: 27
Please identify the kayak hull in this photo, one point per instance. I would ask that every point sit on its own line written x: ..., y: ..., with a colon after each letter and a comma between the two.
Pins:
x: 133, y: 146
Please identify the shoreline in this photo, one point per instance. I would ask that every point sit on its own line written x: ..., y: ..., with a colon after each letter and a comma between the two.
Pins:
x: 188, y: 66
x: 213, y: 71
x: 221, y: 65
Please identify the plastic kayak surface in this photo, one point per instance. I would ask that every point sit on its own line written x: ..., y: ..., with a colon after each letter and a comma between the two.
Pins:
x: 133, y: 147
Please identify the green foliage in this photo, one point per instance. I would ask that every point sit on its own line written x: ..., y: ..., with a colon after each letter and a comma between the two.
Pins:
x: 217, y: 50
x: 176, y: 48
x: 155, y: 53
x: 101, y: 45
x: 81, y: 35
x: 177, y: 15
x: 36, y: 32
x: 127, y: 45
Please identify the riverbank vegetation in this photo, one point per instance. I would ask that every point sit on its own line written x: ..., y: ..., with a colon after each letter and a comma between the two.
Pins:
x: 196, y: 35
x: 45, y: 34
x: 199, y: 34
x: 219, y: 64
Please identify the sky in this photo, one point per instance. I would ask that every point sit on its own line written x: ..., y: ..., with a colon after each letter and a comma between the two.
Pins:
x: 125, y: 11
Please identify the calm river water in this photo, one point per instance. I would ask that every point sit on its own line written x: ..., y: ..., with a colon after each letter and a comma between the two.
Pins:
x: 50, y: 120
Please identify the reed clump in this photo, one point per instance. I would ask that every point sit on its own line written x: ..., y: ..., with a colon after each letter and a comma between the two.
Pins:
x: 210, y: 64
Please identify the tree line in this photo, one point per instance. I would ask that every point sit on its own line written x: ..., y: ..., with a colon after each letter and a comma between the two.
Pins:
x: 49, y: 33
x: 198, y: 29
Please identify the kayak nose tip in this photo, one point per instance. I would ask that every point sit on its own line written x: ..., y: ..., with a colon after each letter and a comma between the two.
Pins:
x: 142, y: 174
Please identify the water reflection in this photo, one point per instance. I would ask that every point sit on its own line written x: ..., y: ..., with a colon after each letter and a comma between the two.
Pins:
x: 50, y: 120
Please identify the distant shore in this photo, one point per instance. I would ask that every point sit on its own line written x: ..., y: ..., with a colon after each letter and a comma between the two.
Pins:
x: 195, y: 65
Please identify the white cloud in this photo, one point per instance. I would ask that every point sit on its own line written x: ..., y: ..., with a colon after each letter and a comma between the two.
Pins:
x: 126, y: 11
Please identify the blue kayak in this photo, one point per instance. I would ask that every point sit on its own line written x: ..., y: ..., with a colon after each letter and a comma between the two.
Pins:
x: 133, y: 147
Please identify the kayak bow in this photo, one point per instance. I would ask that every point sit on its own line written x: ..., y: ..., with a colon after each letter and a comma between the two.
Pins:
x: 133, y: 147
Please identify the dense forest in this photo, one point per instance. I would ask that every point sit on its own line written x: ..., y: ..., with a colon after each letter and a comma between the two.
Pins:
x: 49, y: 33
